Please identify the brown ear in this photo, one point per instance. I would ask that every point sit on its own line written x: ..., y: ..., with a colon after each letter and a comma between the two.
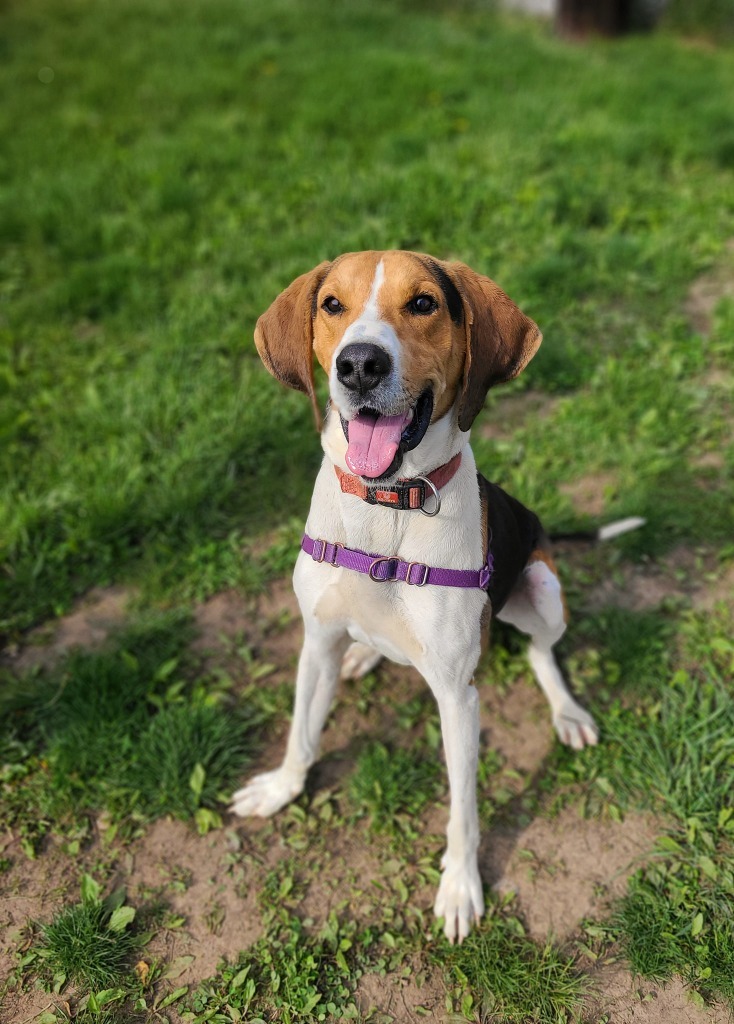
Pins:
x: 284, y: 335
x: 500, y: 339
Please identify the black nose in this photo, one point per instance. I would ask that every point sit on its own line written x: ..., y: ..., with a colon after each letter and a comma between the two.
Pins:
x: 361, y: 366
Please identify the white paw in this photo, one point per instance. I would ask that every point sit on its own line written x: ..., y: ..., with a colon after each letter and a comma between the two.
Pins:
x: 575, y: 727
x: 267, y: 793
x: 459, y: 901
x: 359, y: 660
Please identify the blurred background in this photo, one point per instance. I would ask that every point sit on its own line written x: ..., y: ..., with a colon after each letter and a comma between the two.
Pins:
x: 168, y: 168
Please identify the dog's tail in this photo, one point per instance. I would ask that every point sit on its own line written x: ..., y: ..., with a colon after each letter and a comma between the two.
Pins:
x: 611, y: 530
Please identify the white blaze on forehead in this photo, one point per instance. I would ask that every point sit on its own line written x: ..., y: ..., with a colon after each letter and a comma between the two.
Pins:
x: 371, y: 310
x: 369, y: 325
x: 371, y: 328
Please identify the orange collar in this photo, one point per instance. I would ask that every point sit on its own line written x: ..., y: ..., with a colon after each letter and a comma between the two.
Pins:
x: 405, y: 494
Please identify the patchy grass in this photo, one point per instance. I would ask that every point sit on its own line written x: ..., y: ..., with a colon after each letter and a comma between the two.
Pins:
x: 130, y: 728
x: 168, y: 169
x: 289, y: 975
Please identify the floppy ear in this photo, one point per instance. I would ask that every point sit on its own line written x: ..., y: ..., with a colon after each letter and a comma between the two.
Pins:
x: 500, y: 339
x: 284, y: 335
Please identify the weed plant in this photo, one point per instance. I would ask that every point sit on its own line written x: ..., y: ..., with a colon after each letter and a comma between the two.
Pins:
x: 91, y: 942
x: 289, y: 975
x: 393, y: 785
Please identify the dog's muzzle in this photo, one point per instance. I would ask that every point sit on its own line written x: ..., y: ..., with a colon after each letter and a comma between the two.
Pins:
x: 376, y: 442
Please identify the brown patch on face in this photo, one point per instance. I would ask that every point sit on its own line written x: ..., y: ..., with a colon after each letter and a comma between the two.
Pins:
x: 350, y: 281
x: 432, y: 345
x: 544, y: 556
x: 472, y: 338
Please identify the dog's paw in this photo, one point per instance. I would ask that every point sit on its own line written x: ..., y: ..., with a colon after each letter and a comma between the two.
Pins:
x: 459, y: 901
x: 265, y: 794
x: 575, y: 727
x: 359, y: 660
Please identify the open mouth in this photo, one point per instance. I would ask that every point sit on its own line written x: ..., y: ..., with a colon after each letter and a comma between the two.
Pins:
x: 376, y: 442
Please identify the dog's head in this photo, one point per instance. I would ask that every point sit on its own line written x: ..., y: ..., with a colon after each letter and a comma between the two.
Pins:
x: 404, y: 339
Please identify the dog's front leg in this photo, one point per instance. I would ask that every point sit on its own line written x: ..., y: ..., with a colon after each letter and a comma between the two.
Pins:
x: 318, y: 674
x: 460, y: 900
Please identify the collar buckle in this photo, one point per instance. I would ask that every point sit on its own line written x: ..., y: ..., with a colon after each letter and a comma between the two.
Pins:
x: 404, y: 496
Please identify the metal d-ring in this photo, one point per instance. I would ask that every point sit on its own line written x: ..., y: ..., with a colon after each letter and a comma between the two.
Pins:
x: 436, y: 495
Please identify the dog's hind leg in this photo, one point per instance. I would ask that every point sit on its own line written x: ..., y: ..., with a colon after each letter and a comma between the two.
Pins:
x: 536, y: 607
x: 318, y: 675
x: 359, y: 660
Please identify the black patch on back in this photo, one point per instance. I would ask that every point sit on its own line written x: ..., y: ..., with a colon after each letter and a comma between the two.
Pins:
x: 513, y: 533
x: 450, y: 291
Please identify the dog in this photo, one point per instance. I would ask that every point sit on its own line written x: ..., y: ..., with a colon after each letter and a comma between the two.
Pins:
x: 409, y: 552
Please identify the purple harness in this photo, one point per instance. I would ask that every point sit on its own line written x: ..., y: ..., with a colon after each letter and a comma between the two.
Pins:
x: 391, y: 569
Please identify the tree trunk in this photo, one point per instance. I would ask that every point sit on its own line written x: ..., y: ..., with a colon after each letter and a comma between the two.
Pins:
x: 579, y: 18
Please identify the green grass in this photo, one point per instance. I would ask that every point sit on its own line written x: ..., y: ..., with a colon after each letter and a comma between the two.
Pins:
x: 181, y: 166
x: 392, y: 786
x: 133, y: 728
x: 89, y: 943
x: 509, y: 979
x: 672, y: 753
x: 711, y: 19
x: 154, y: 197
x: 289, y: 975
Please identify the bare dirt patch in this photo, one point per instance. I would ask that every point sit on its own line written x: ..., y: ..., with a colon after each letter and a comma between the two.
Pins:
x: 629, y: 1000
x: 266, y: 629
x: 87, y: 626
x: 567, y: 869
x: 419, y: 996
x: 590, y: 494
x: 515, y: 721
x: 204, y: 881
x: 694, y: 575
x: 223, y: 620
x: 30, y: 891
x: 509, y: 412
x: 708, y: 290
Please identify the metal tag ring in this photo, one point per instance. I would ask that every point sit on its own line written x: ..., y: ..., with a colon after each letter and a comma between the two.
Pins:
x: 436, y: 495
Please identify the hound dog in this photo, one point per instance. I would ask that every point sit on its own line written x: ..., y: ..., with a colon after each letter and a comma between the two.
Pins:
x: 408, y: 551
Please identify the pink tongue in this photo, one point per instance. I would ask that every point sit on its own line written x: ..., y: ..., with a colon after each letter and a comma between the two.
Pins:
x: 373, y: 442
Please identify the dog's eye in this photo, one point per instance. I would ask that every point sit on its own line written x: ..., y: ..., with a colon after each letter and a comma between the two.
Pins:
x: 421, y: 305
x: 332, y: 305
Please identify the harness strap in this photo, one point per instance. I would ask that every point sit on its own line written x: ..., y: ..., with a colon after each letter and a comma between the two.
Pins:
x: 392, y: 569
